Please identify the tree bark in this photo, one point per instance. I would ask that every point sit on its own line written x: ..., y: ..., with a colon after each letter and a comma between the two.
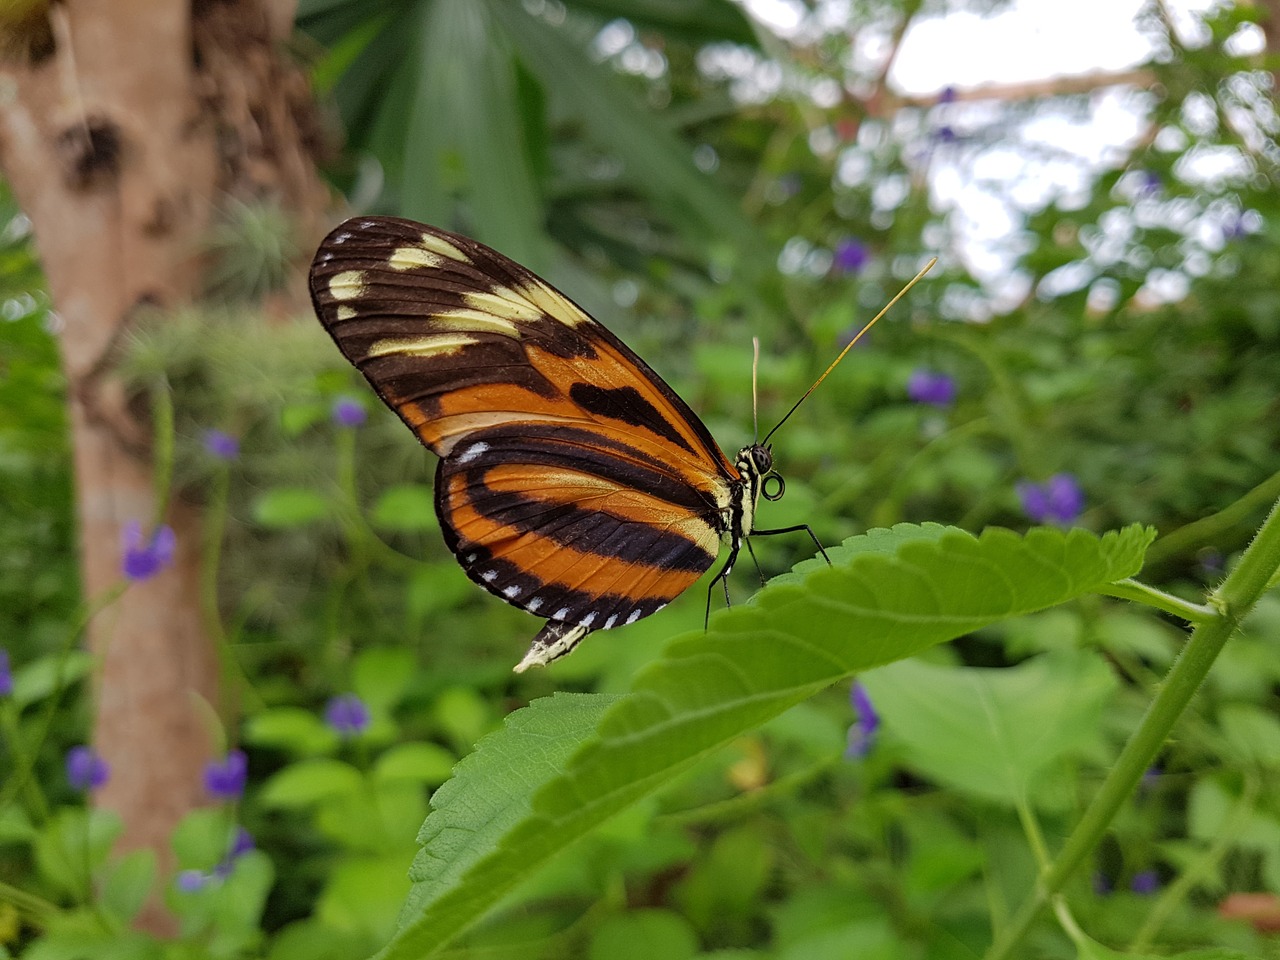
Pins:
x: 119, y: 131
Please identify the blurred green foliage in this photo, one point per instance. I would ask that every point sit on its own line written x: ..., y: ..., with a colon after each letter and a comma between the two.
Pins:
x: 689, y: 222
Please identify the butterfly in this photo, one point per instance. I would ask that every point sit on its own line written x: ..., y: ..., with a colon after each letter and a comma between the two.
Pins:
x: 573, y: 482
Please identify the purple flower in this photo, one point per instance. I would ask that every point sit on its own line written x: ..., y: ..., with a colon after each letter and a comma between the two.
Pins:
x: 347, y: 412
x: 1150, y: 778
x: 1145, y: 882
x: 6, y: 674
x: 347, y: 715
x: 862, y: 733
x: 85, y: 769
x: 850, y: 256
x: 221, y: 445
x: 241, y: 843
x: 1149, y: 183
x: 1058, y: 500
x: 143, y: 560
x: 191, y: 881
x: 945, y: 134
x: 225, y: 780
x: 933, y: 388
x: 948, y: 95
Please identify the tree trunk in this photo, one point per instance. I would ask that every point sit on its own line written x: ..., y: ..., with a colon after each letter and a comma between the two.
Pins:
x: 122, y: 124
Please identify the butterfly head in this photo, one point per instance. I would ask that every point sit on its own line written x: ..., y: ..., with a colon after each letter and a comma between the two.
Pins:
x: 755, y: 464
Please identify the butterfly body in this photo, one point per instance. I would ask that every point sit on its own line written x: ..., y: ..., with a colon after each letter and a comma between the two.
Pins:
x: 573, y: 482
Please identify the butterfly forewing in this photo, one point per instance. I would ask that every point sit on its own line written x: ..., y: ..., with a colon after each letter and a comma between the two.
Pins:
x: 574, y: 482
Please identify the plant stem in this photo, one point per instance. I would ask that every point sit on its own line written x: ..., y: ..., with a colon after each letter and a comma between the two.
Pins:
x: 1230, y: 603
x: 1176, y: 893
x: 34, y: 910
x: 1207, y: 528
x: 1131, y: 589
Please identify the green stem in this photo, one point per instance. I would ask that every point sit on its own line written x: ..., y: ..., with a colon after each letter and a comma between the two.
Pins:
x: 1176, y: 893
x: 1141, y: 593
x: 34, y: 910
x: 1207, y: 529
x: 25, y: 762
x: 1232, y: 601
x: 1035, y: 837
x: 162, y: 447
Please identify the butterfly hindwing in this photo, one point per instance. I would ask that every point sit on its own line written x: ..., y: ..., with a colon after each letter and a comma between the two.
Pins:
x: 579, y: 534
x: 573, y: 481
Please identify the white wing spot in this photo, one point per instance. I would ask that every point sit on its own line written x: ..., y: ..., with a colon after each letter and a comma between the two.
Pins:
x: 634, y: 615
x: 613, y: 618
x: 340, y: 237
x: 432, y: 345
x: 347, y: 285
x: 470, y: 557
x: 533, y: 605
x: 344, y: 312
x: 660, y: 606
x: 588, y: 620
x: 472, y: 452
x: 441, y: 246
x: 489, y: 576
x: 512, y: 591
x: 407, y: 258
x: 560, y: 614
x: 503, y: 302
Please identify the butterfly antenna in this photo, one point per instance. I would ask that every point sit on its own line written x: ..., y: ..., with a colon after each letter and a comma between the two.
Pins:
x: 834, y: 363
x: 755, y: 396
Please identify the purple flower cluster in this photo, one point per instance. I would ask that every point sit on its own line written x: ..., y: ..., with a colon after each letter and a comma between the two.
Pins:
x: 143, y: 559
x: 348, y: 412
x: 225, y: 779
x: 862, y: 733
x: 221, y: 445
x: 193, y: 881
x: 85, y: 769
x: 931, y: 387
x: 1059, y: 500
x: 6, y: 674
x: 347, y: 715
x: 850, y: 256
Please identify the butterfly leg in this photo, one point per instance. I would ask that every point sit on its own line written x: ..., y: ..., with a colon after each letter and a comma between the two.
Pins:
x: 552, y: 642
x: 751, y: 550
x: 721, y: 577
x: 799, y: 526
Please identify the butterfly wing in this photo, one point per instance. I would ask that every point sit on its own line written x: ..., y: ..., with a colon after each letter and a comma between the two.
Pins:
x: 573, y: 481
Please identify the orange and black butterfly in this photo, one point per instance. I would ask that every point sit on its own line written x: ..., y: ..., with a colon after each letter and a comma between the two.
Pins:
x: 573, y: 482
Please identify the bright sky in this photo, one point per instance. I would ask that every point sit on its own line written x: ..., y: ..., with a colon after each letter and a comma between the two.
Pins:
x: 1052, y: 152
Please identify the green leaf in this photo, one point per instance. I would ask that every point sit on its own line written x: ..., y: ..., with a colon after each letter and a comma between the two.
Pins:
x: 203, y: 837
x: 73, y: 845
x: 40, y: 678
x: 427, y: 763
x: 992, y: 732
x: 127, y: 883
x: 380, y: 676
x: 656, y: 161
x: 466, y: 128
x: 408, y: 508
x: 481, y: 804
x: 293, y: 729
x: 888, y: 594
x: 309, y: 782
x: 1087, y: 949
x: 642, y: 935
x: 284, y: 507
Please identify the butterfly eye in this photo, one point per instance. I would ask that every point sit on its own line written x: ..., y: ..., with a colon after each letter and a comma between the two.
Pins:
x: 763, y: 459
x: 774, y: 493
